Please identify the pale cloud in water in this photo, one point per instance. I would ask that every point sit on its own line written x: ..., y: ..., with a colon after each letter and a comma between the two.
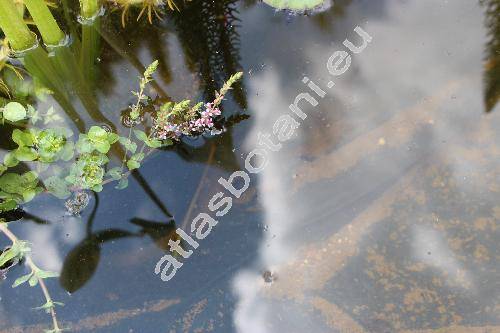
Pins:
x: 404, y: 63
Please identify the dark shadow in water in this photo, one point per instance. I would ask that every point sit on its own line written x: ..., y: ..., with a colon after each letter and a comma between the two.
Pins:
x: 81, y: 262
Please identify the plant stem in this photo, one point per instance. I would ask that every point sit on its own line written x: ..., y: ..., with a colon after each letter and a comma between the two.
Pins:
x: 13, y: 26
x: 45, y: 22
x: 34, y: 268
x: 89, y: 8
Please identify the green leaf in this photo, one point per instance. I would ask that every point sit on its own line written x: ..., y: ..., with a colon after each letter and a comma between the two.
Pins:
x: 47, y: 306
x: 14, y: 111
x: 46, y: 274
x: 123, y: 183
x: 8, y: 255
x: 22, y: 138
x: 299, y: 5
x: 68, y: 151
x: 18, y: 250
x: 51, y: 116
x: 30, y: 177
x: 3, y: 168
x: 25, y: 154
x: 28, y: 195
x: 129, y: 145
x: 133, y: 164
x: 25, y: 185
x: 33, y: 114
x: 115, y: 173
x: 151, y: 69
x: 22, y: 280
x: 84, y: 145
x: 8, y: 205
x: 112, y: 138
x: 101, y: 139
x: 58, y: 187
x: 33, y: 280
x: 10, y: 160
x: 154, y: 143
x: 10, y: 182
x: 102, y: 147
x: 97, y: 188
x: 137, y: 157
x: 140, y: 135
x: 97, y: 133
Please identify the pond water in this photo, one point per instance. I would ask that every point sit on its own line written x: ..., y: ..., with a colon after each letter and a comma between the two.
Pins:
x: 380, y: 214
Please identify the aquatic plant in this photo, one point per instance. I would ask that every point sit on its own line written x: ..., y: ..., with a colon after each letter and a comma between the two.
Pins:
x: 4, y: 57
x: 20, y: 250
x: 295, y: 5
x: 63, y: 166
x: 149, y: 7
x: 174, y: 120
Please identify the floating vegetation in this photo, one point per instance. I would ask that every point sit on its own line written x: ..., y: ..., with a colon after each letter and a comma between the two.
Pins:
x: 65, y: 165
x: 296, y: 5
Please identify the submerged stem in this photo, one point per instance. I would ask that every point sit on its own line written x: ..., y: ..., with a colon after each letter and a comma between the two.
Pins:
x: 33, y: 267
x: 14, y: 28
x: 45, y: 22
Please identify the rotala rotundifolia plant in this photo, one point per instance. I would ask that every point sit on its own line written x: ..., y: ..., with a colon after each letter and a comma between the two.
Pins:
x: 46, y: 156
x: 66, y: 166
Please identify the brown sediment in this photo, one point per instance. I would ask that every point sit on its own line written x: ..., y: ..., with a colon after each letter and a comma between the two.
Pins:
x: 396, y: 131
x: 318, y: 263
x: 458, y: 329
x: 104, y: 320
x: 189, y: 317
x: 335, y: 317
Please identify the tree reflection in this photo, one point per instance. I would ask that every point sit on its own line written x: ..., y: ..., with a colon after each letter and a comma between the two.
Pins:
x: 492, y: 54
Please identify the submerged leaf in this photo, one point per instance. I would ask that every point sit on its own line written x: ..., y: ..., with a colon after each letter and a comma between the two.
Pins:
x: 46, y: 274
x: 22, y: 280
x: 122, y: 184
x: 58, y: 187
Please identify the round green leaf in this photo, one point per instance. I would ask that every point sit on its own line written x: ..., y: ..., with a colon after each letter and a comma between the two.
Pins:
x: 25, y: 154
x: 22, y: 138
x: 58, y: 187
x: 299, y: 5
x: 133, y: 164
x: 14, y: 111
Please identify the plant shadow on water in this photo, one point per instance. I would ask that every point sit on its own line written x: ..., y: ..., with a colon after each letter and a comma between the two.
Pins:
x: 109, y: 251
